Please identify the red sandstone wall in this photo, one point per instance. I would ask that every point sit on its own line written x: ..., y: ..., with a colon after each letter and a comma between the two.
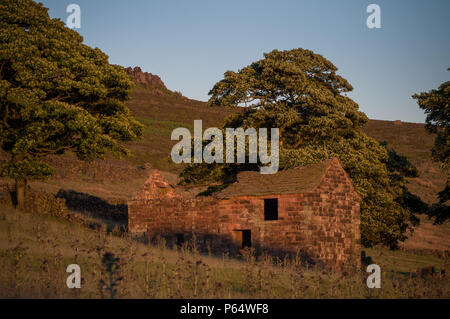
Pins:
x: 324, y: 224
x: 336, y: 218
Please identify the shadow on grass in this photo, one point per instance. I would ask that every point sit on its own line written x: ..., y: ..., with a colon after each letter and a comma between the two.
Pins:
x: 95, y: 207
x: 220, y: 246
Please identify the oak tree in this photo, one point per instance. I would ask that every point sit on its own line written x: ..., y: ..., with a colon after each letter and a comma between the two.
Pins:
x: 300, y: 92
x: 436, y: 104
x: 56, y: 95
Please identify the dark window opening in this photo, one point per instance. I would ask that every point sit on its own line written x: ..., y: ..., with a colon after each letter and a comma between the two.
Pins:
x: 271, y: 209
x: 180, y: 239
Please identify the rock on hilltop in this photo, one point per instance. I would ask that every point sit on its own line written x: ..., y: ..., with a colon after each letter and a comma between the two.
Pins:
x: 145, y: 78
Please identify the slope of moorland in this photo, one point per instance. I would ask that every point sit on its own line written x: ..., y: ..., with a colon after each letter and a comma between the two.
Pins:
x: 414, y: 142
x: 161, y: 110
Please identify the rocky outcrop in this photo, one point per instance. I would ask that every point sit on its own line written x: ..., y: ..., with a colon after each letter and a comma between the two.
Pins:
x: 145, y: 78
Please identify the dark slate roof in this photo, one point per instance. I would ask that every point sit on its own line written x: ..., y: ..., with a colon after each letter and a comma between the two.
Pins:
x: 292, y: 181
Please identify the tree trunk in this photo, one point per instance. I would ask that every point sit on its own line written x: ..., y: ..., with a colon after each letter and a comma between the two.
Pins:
x: 21, y: 186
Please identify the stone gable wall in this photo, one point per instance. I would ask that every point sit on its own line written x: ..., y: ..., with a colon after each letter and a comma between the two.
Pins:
x: 322, y: 225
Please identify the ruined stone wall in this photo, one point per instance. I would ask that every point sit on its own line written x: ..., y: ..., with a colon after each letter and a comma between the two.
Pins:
x: 322, y: 225
x: 337, y: 218
x: 330, y: 220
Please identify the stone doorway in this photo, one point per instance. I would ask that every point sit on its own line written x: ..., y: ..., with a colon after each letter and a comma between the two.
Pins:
x: 243, y: 238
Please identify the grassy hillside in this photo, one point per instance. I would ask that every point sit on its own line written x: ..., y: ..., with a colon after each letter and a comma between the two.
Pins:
x: 414, y: 142
x: 161, y: 110
x: 36, y: 249
x: 161, y: 113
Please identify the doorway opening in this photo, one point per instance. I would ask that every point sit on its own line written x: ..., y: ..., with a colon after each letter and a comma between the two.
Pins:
x: 180, y: 239
x: 243, y: 238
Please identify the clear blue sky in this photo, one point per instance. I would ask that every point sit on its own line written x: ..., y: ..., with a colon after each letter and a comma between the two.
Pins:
x: 190, y: 44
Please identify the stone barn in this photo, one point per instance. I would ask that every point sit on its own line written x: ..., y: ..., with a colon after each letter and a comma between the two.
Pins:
x: 311, y: 210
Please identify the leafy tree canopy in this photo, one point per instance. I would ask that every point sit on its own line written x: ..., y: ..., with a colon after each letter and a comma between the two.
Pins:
x: 436, y: 104
x: 300, y: 92
x: 56, y: 94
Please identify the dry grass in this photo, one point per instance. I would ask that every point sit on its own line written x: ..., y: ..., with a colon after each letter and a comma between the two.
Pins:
x: 36, y: 249
x: 414, y: 142
x: 429, y: 236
